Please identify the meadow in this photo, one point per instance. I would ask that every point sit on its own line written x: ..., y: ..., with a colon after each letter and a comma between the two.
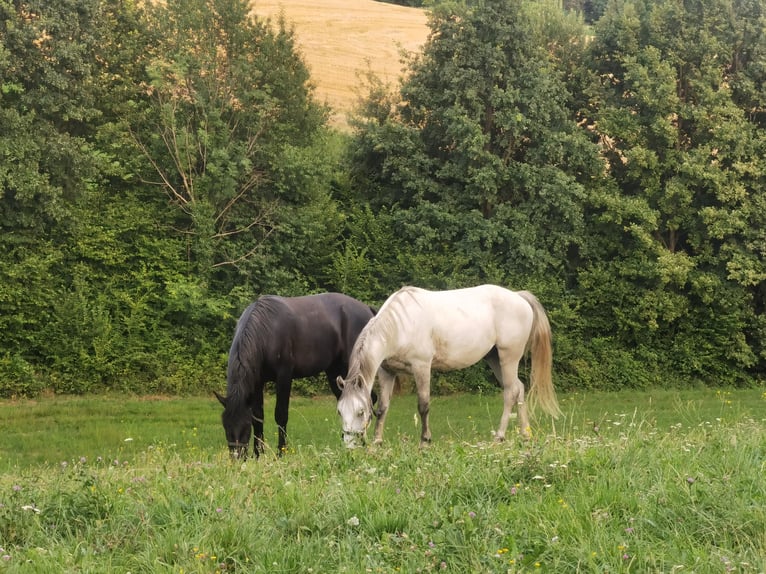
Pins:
x: 650, y: 481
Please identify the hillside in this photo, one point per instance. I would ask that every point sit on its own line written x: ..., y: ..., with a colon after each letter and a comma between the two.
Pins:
x: 341, y: 38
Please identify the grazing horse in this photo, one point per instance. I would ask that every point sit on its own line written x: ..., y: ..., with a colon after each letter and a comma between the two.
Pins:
x: 417, y: 330
x: 280, y: 339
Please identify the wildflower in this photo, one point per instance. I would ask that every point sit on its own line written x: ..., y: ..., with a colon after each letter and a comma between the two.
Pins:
x: 443, y: 565
x: 690, y: 480
x: 472, y: 514
x: 629, y: 530
x: 83, y: 460
x: 6, y: 557
x: 219, y: 510
x: 16, y: 488
x: 353, y: 521
x: 514, y: 491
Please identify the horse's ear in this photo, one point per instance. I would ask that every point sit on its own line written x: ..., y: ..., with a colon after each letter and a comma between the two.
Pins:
x: 221, y: 399
x: 340, y: 382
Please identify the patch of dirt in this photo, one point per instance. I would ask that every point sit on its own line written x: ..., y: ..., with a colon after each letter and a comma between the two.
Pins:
x: 341, y: 39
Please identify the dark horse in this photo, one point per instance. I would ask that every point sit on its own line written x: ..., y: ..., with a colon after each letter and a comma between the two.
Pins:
x: 280, y: 339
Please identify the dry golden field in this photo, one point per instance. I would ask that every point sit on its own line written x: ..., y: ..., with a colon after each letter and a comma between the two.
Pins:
x: 339, y: 39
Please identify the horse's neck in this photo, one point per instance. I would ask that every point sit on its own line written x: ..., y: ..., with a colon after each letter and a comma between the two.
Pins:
x: 374, y: 353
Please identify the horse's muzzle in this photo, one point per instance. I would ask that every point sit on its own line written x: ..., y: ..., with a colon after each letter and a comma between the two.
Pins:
x: 237, y: 450
x: 354, y: 439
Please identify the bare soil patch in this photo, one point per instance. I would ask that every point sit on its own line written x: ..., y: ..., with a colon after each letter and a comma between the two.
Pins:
x: 341, y: 39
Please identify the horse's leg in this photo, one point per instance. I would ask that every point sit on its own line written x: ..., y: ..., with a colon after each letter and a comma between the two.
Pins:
x: 256, y: 405
x: 284, y: 385
x: 513, y: 393
x: 332, y: 378
x: 387, y: 381
x: 423, y: 383
x: 493, y: 361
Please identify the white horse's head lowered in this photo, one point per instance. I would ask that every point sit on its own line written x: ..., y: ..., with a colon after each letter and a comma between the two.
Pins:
x: 355, y: 410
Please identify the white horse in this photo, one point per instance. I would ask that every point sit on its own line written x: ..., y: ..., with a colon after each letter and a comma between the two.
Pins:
x: 417, y: 330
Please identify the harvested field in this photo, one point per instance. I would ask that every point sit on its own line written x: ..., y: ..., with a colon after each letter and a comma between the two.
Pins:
x: 340, y: 39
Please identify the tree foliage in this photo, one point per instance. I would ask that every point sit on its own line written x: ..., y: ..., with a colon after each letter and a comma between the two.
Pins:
x: 684, y: 266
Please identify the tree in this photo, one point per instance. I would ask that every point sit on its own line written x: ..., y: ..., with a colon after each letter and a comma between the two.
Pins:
x: 482, y: 156
x: 47, y: 107
x: 680, y: 278
x: 227, y: 133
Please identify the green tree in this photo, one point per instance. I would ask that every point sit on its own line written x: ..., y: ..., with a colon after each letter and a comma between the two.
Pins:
x: 482, y: 158
x: 47, y: 106
x: 229, y: 137
x: 680, y: 278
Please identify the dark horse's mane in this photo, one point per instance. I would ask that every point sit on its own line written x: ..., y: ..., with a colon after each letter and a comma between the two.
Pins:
x: 253, y: 332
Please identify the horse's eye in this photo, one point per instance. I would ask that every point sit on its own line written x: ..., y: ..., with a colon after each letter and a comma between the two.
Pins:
x: 360, y: 414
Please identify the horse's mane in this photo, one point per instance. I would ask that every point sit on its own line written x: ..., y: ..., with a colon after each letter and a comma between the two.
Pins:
x: 383, y: 325
x: 254, y: 329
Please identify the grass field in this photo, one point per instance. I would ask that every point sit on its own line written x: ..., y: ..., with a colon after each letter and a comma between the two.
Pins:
x: 653, y: 481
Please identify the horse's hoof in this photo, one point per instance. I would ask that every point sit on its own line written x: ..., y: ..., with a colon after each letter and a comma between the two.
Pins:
x: 499, y: 438
x: 425, y: 442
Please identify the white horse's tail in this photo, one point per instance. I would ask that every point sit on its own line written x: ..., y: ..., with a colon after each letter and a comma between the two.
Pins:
x: 541, y: 389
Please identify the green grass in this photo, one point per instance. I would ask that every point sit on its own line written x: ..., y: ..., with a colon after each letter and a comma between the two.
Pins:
x: 653, y: 481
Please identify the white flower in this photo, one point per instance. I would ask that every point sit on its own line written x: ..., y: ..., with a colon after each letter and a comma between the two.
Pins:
x: 353, y: 521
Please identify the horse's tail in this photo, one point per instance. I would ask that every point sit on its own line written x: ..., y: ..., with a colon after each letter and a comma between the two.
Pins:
x: 541, y: 389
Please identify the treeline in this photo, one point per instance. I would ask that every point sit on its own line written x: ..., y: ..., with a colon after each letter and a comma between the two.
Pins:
x: 163, y: 164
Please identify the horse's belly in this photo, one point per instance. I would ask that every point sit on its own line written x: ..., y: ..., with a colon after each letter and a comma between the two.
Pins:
x: 456, y: 361
x: 459, y: 353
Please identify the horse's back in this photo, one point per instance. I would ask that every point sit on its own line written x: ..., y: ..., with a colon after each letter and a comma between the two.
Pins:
x: 314, y: 332
x: 457, y: 328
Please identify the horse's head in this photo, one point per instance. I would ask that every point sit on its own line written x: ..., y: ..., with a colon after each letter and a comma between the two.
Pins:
x: 355, y: 410
x: 237, y: 424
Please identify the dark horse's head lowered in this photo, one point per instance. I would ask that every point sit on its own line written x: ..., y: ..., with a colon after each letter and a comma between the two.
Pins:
x: 237, y: 421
